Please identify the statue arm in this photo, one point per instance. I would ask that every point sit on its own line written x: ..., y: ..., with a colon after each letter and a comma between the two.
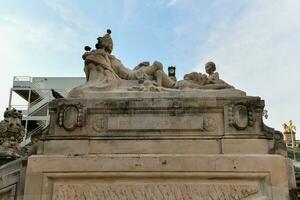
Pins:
x: 119, y: 68
x: 214, y: 78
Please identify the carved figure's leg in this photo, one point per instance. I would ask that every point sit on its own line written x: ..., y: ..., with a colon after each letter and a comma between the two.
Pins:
x: 159, y: 77
x: 156, y: 71
x: 162, y: 79
x: 166, y: 80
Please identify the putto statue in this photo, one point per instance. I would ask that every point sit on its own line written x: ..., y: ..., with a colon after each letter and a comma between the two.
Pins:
x: 11, y: 133
x: 104, y: 72
x: 197, y: 80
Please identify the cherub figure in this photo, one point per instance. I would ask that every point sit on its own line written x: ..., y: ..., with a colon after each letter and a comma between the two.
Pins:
x: 213, y: 76
x: 197, y: 80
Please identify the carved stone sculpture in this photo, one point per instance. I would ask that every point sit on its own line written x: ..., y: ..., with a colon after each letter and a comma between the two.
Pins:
x: 138, y: 134
x: 11, y: 134
x: 197, y: 80
x: 104, y: 72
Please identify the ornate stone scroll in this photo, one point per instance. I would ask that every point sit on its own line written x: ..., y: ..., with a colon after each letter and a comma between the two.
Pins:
x: 71, y: 116
x: 240, y: 116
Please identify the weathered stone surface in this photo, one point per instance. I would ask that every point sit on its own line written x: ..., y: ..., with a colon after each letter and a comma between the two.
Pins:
x: 11, y: 134
x: 154, y: 191
x: 245, y: 146
x: 138, y: 134
x: 132, y: 145
x: 137, y: 114
x: 12, y: 180
x: 157, y: 176
x: 154, y: 122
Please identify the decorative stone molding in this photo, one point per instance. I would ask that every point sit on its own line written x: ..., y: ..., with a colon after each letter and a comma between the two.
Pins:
x: 71, y: 116
x: 99, y: 123
x: 147, y: 191
x: 210, y: 124
x: 240, y: 116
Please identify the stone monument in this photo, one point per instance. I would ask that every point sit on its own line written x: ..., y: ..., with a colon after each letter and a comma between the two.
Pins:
x: 12, y: 157
x: 11, y: 134
x: 140, y: 135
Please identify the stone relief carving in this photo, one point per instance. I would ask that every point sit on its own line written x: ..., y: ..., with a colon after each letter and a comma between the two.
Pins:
x: 202, y: 81
x: 278, y: 145
x: 71, y: 116
x: 240, y: 116
x: 209, y: 124
x: 99, y: 123
x: 158, y: 191
x: 11, y: 133
x: 104, y: 72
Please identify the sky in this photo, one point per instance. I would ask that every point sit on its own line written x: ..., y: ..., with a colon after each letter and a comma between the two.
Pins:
x: 254, y: 43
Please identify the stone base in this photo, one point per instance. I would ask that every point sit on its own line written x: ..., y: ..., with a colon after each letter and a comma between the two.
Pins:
x: 157, y: 177
x: 12, y: 179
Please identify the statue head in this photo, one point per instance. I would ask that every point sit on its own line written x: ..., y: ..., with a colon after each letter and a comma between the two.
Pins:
x: 13, y: 113
x: 105, y: 42
x: 11, y: 128
x: 210, y: 67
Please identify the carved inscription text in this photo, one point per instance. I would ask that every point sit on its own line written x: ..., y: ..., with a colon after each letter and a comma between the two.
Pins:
x: 152, y: 191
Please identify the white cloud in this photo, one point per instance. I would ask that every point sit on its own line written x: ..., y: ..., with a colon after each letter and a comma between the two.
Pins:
x: 7, y: 57
x: 129, y: 11
x: 22, y: 41
x: 70, y: 13
x: 38, y: 34
x: 172, y: 2
x: 259, y: 54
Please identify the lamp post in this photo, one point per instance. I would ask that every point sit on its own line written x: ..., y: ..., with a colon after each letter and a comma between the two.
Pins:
x: 172, y: 72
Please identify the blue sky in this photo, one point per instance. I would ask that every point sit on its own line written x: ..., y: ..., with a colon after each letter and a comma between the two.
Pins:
x: 255, y: 43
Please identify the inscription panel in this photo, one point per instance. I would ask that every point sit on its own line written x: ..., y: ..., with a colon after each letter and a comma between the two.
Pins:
x: 155, y: 191
x: 145, y: 122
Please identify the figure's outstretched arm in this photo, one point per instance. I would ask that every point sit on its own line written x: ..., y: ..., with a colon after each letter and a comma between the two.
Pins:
x: 122, y: 71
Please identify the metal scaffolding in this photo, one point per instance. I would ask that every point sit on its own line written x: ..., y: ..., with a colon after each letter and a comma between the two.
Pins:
x: 36, y: 91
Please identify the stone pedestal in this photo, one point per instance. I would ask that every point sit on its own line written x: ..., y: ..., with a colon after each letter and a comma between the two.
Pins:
x: 158, y: 177
x: 12, y: 179
x: 165, y: 145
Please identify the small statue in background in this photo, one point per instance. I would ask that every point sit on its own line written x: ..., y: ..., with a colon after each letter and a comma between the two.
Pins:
x: 11, y: 133
x: 213, y: 76
x: 197, y: 80
x: 289, y: 133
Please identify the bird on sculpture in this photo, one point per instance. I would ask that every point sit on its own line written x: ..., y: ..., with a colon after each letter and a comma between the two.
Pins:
x: 56, y: 95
